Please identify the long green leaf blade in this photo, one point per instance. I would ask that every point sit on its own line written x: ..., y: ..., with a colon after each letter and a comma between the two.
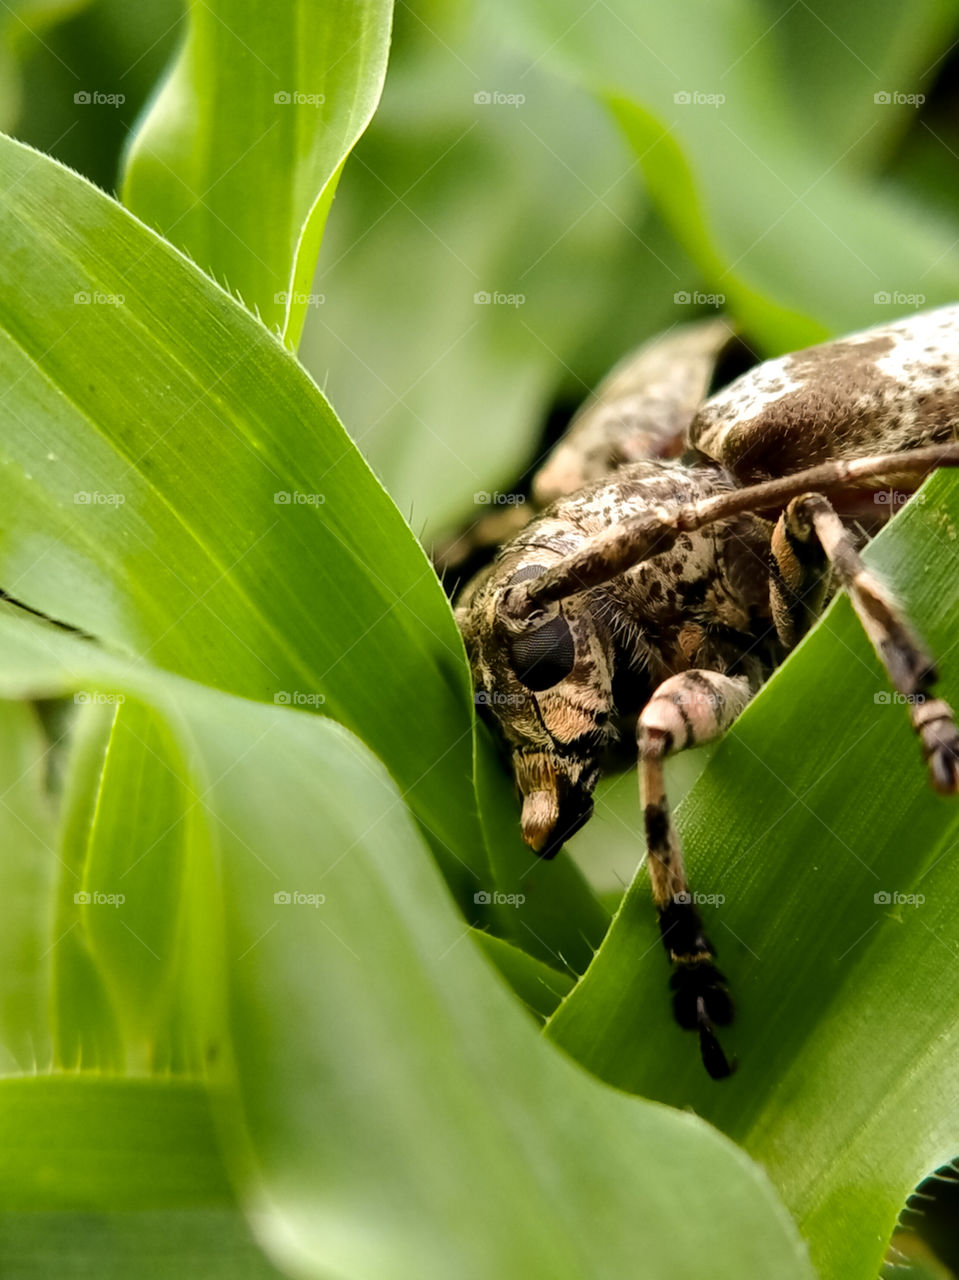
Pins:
x: 238, y: 159
x: 372, y: 1067
x: 195, y: 499
x: 815, y: 824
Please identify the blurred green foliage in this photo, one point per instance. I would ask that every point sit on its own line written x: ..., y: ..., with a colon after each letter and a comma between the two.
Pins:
x: 798, y: 198
x: 542, y: 188
x: 58, y: 49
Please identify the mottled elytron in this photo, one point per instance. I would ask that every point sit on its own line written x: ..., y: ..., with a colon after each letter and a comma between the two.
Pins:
x: 684, y: 544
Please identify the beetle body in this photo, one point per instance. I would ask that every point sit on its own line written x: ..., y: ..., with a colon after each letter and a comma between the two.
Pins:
x: 684, y: 547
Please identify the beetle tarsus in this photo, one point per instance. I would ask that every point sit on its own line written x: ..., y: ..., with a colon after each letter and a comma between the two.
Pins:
x: 701, y: 1003
x: 935, y: 724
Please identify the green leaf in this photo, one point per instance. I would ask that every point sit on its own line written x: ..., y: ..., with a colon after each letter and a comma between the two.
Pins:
x: 135, y: 914
x: 140, y: 492
x: 375, y: 1069
x: 113, y: 1178
x: 154, y: 1144
x: 28, y: 871
x: 142, y: 501
x: 167, y: 1244
x: 84, y: 70
x: 851, y: 53
x: 239, y: 157
x: 23, y: 25
x: 85, y: 1028
x: 815, y: 803
x: 540, y: 987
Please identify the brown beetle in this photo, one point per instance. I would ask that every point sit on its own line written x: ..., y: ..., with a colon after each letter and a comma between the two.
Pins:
x: 684, y: 544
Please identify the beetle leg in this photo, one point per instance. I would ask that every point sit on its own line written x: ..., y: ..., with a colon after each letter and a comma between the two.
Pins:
x: 686, y: 710
x: 620, y: 546
x: 799, y: 580
x: 910, y: 669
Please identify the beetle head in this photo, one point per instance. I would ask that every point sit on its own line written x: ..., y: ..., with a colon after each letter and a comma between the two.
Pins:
x: 545, y: 685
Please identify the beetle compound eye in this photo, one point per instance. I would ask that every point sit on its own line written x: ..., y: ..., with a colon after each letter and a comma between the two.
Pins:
x: 524, y: 575
x: 545, y: 656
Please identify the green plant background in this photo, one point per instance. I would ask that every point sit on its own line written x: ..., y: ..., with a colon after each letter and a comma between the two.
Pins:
x: 340, y: 1023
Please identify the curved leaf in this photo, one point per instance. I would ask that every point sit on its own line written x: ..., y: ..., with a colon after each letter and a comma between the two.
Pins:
x: 815, y: 824
x: 448, y: 400
x: 28, y: 872
x: 239, y: 156
x: 850, y: 53
x: 194, y: 499
x: 372, y: 1066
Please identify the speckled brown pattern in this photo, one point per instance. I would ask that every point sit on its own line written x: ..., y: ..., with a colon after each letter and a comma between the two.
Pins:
x: 705, y: 604
x: 885, y: 390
